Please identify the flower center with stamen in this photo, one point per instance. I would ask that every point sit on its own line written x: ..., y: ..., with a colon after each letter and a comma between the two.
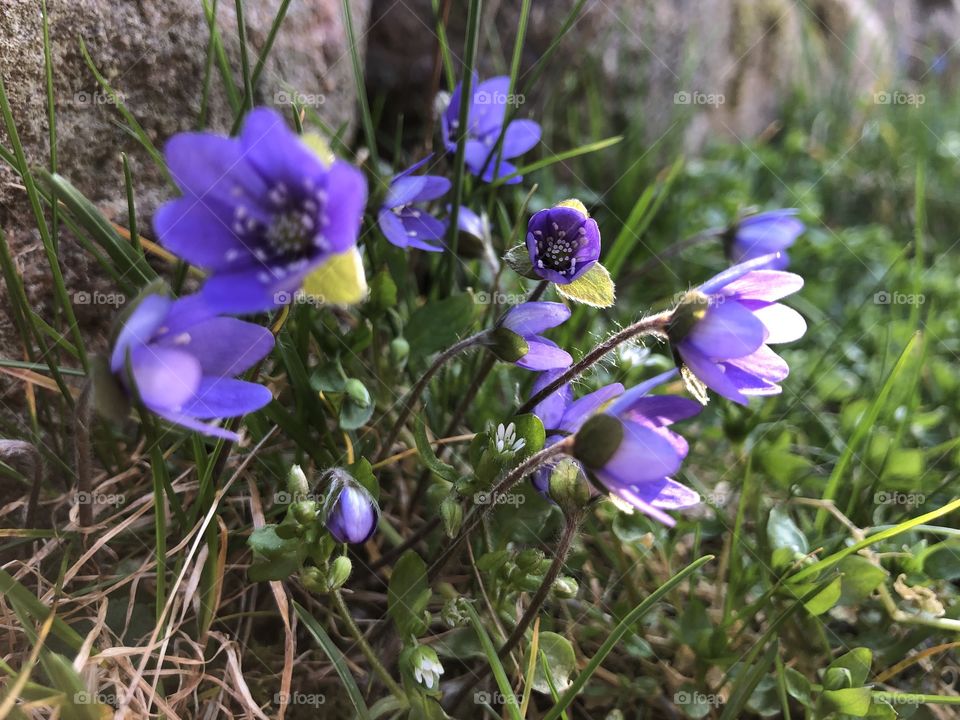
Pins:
x: 557, y: 248
x: 290, y: 233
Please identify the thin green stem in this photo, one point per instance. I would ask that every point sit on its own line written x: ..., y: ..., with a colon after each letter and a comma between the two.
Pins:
x: 365, y: 648
x: 408, y: 402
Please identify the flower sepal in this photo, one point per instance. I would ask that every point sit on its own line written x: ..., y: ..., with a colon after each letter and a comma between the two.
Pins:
x: 506, y: 345
x: 597, y: 441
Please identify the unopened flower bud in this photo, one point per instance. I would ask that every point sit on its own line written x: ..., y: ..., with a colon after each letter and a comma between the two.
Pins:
x: 569, y: 487
x: 399, y: 352
x: 452, y: 513
x: 340, y: 570
x: 565, y: 587
x: 506, y: 345
x: 313, y: 579
x: 304, y: 511
x: 297, y: 484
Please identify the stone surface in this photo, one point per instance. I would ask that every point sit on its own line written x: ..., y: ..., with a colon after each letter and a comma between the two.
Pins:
x: 154, y: 54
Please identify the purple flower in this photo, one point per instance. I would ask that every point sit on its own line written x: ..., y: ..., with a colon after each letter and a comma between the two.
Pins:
x: 721, y: 330
x: 404, y: 224
x: 630, y: 452
x: 561, y: 415
x: 354, y: 515
x: 517, y: 336
x: 485, y: 120
x: 763, y: 234
x: 183, y: 359
x: 563, y: 242
x: 259, y: 211
x: 472, y: 224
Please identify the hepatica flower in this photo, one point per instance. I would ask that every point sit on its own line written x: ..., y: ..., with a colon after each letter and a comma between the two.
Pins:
x: 563, y: 242
x: 402, y: 220
x: 721, y: 331
x: 353, y: 515
x: 486, y: 115
x: 561, y: 416
x: 182, y: 361
x: 517, y: 336
x: 764, y: 234
x: 259, y: 212
x: 629, y: 450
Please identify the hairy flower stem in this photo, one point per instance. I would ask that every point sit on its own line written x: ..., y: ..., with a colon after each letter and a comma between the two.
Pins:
x: 408, y: 402
x: 504, y: 486
x: 536, y: 602
x: 653, y: 325
x: 365, y: 648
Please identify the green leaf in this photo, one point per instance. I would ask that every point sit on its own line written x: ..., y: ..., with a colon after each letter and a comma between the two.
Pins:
x: 851, y: 701
x: 860, y: 578
x: 408, y: 594
x: 31, y: 611
x: 530, y: 428
x: 354, y: 415
x: 825, y: 599
x: 561, y: 661
x: 429, y: 457
x: 265, y: 542
x: 281, y: 568
x: 782, y: 532
x: 339, y: 664
x: 509, y: 699
x: 798, y: 686
x: 439, y: 324
x: 858, y: 662
x: 517, y: 259
x: 362, y: 472
x: 594, y: 288
x: 78, y: 704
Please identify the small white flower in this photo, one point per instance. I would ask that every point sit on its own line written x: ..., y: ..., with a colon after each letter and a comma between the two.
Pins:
x: 507, y: 440
x: 427, y: 668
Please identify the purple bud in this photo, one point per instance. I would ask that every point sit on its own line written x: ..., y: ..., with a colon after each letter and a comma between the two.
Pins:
x: 763, y: 234
x: 353, y: 517
x: 563, y: 242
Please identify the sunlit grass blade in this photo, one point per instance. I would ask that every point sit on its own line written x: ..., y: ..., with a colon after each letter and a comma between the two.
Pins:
x: 559, y: 157
x: 622, y: 628
x: 336, y: 657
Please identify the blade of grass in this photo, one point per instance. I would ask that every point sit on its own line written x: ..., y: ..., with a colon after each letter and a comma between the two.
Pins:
x: 860, y: 433
x: 559, y: 157
x: 499, y: 674
x: 339, y: 663
x: 244, y: 61
x: 622, y: 628
x: 366, y: 119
